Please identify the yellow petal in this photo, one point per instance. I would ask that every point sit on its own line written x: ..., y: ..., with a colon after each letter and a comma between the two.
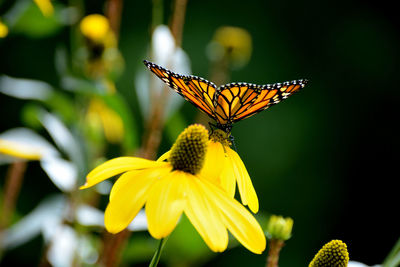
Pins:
x: 153, y: 173
x: 164, y: 156
x: 116, y: 166
x: 205, y: 217
x: 228, y: 178
x: 129, y: 195
x: 236, y: 218
x: 165, y: 204
x: 214, y: 162
x: 246, y: 189
x: 20, y: 150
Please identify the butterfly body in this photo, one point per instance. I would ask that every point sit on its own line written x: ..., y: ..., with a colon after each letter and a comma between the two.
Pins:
x: 228, y: 103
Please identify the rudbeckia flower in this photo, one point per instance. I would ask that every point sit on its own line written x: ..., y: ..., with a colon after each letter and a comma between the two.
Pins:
x: 168, y: 189
x: 229, y: 170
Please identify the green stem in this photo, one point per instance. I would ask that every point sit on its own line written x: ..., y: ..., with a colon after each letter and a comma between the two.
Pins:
x: 393, y: 259
x: 157, y: 254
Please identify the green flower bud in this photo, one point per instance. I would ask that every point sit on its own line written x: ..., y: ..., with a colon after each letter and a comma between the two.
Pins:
x: 279, y: 227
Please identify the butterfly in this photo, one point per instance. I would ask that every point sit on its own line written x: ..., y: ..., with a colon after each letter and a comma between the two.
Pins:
x: 228, y: 103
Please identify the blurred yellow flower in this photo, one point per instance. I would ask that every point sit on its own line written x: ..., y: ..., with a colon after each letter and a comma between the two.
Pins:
x: 45, y: 6
x: 231, y: 43
x: 3, y: 30
x: 19, y: 150
x: 102, y: 57
x: 333, y: 253
x: 97, y: 29
x: 99, y: 115
x: 168, y: 189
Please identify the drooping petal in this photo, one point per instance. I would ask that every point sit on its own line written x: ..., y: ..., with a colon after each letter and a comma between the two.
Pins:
x: 236, y: 218
x: 116, y: 166
x: 245, y: 186
x: 128, y: 196
x: 165, y: 204
x: 228, y: 178
x: 205, y: 217
x: 214, y: 162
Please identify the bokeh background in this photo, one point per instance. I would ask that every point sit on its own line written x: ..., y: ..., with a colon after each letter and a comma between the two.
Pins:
x: 327, y: 156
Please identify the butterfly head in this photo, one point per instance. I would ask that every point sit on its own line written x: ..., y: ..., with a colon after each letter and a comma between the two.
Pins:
x: 220, y: 135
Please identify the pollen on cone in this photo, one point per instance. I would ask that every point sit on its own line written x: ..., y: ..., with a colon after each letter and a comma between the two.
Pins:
x: 333, y: 253
x: 188, y: 152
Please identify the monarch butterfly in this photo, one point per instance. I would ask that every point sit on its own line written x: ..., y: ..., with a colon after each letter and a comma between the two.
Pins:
x: 228, y: 103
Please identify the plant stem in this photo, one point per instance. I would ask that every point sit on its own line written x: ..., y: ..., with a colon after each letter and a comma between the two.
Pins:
x: 275, y: 246
x: 113, y: 13
x: 12, y: 187
x: 178, y: 20
x: 157, y: 254
x: 112, y: 248
x: 393, y: 259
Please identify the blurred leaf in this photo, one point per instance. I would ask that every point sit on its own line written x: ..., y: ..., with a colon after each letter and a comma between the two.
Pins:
x: 26, y: 18
x: 83, y: 86
x: 25, y: 88
x: 38, y: 90
x: 63, y: 138
x: 42, y: 218
x: 30, y: 116
x: 63, y: 246
x: 139, y: 223
x: 61, y: 172
x: 62, y: 105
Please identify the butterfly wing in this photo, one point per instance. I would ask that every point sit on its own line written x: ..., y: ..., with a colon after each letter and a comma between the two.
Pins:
x: 196, y: 90
x: 232, y: 98
x: 237, y: 101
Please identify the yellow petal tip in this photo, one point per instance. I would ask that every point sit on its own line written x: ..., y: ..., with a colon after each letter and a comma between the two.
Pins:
x: 86, y: 185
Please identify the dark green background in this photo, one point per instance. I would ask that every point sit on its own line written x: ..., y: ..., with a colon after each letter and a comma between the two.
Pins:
x: 327, y: 156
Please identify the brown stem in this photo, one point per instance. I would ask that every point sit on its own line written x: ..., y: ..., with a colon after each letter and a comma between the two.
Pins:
x: 112, y: 248
x: 178, y: 20
x: 275, y: 246
x: 12, y: 187
x: 113, y: 13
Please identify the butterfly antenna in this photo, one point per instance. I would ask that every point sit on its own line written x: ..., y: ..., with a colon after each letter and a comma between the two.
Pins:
x: 232, y: 140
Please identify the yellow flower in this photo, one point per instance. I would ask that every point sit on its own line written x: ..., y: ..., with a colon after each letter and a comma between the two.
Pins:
x: 96, y: 28
x: 45, y: 6
x: 333, y: 253
x: 100, y: 116
x: 233, y: 44
x: 229, y: 169
x: 19, y: 150
x: 171, y: 188
x: 3, y: 30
